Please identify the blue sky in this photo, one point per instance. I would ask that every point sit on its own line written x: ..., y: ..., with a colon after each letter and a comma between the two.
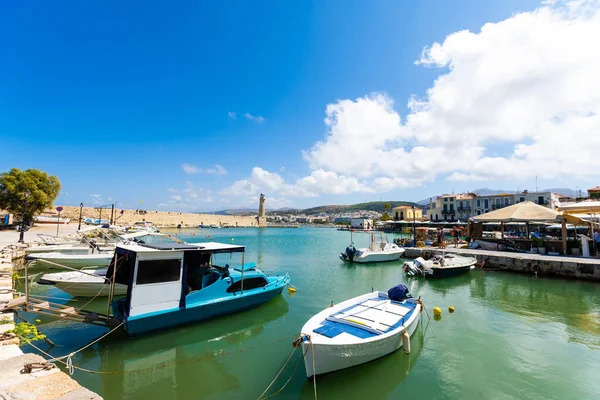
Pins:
x: 120, y: 99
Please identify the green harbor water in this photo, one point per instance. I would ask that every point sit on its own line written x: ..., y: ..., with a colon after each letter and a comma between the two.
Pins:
x: 511, y: 337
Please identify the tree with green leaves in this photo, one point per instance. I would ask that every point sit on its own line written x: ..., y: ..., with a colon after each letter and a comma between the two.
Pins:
x: 386, y: 216
x: 34, y: 186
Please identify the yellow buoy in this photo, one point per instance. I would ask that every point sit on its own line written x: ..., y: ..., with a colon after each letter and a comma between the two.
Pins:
x: 451, y: 309
x: 437, y: 312
x: 292, y: 290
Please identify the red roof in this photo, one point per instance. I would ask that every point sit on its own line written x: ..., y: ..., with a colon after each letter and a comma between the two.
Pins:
x: 596, y: 189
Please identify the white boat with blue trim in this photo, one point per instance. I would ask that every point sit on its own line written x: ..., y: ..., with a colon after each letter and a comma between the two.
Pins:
x: 359, y: 330
x: 379, y: 250
x: 170, y: 284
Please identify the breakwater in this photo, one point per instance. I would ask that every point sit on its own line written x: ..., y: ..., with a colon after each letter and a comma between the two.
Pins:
x: 527, y: 263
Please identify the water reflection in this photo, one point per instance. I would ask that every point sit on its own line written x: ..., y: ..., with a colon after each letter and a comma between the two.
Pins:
x: 167, y: 364
x: 545, y: 300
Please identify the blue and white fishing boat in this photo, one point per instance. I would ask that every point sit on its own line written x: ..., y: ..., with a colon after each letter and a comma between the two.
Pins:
x: 95, y: 221
x: 171, y: 284
x: 360, y: 330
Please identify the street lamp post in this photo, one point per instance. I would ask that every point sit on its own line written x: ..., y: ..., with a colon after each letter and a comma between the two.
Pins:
x: 413, y: 228
x: 24, y: 219
x: 80, y: 215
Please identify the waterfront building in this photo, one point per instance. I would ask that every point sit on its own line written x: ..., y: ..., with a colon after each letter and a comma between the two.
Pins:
x: 546, y: 199
x: 342, y: 220
x: 406, y: 213
x: 485, y: 204
x: 451, y: 207
x: 594, y: 193
x: 361, y: 223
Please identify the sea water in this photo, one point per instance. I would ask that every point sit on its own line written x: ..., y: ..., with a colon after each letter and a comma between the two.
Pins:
x: 511, y: 337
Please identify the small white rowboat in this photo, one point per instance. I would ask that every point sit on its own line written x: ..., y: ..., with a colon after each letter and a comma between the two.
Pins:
x: 74, y: 260
x: 357, y: 331
x: 87, y: 283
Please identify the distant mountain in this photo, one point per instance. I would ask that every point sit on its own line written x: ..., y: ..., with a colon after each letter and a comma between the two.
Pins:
x: 378, y: 206
x: 240, y: 211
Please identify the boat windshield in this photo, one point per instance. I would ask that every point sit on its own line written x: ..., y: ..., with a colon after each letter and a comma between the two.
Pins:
x: 155, y: 239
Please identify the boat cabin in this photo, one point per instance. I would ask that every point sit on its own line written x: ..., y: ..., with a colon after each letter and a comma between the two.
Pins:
x: 163, y: 277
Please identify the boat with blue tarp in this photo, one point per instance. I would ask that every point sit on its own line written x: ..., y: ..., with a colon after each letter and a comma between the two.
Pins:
x: 170, y: 284
x: 360, y: 330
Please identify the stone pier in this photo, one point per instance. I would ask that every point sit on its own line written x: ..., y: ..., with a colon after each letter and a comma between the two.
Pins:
x: 528, y: 263
x: 15, y: 384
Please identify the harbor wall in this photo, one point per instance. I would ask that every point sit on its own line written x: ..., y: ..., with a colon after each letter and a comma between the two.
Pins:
x: 558, y: 266
x: 161, y: 219
x: 51, y: 384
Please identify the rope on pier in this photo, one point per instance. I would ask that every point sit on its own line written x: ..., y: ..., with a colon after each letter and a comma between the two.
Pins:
x: 69, y: 363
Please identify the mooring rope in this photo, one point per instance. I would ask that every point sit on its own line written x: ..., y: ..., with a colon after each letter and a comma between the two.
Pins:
x: 297, y: 343
x: 161, y: 365
x: 69, y: 357
x: 278, y: 373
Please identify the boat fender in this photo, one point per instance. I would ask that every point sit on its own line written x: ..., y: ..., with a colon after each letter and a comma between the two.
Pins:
x: 405, y: 341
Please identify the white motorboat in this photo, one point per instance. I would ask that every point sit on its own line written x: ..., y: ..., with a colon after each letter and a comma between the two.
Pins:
x: 379, y: 251
x: 84, y: 283
x: 359, y: 330
x: 100, y: 259
x: 439, y: 266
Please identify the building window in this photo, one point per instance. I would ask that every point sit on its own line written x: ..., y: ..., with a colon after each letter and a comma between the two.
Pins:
x: 446, y: 199
x: 478, y: 212
x: 506, y: 201
x: 158, y: 271
x: 486, y: 204
x: 541, y: 200
x: 521, y: 199
x: 445, y: 207
x: 478, y: 203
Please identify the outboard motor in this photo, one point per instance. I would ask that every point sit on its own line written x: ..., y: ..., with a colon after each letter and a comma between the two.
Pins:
x: 350, y: 252
x: 399, y: 293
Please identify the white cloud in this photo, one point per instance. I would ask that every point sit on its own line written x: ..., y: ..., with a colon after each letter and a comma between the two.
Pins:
x: 163, y: 205
x: 176, y: 197
x: 172, y: 190
x: 214, y: 170
x: 256, y: 118
x: 518, y: 99
x: 317, y: 183
x: 189, y: 168
x: 231, y: 115
x: 528, y: 83
x: 97, y: 199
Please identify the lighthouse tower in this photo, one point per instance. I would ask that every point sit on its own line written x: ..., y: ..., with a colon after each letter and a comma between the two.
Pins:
x: 262, y: 218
